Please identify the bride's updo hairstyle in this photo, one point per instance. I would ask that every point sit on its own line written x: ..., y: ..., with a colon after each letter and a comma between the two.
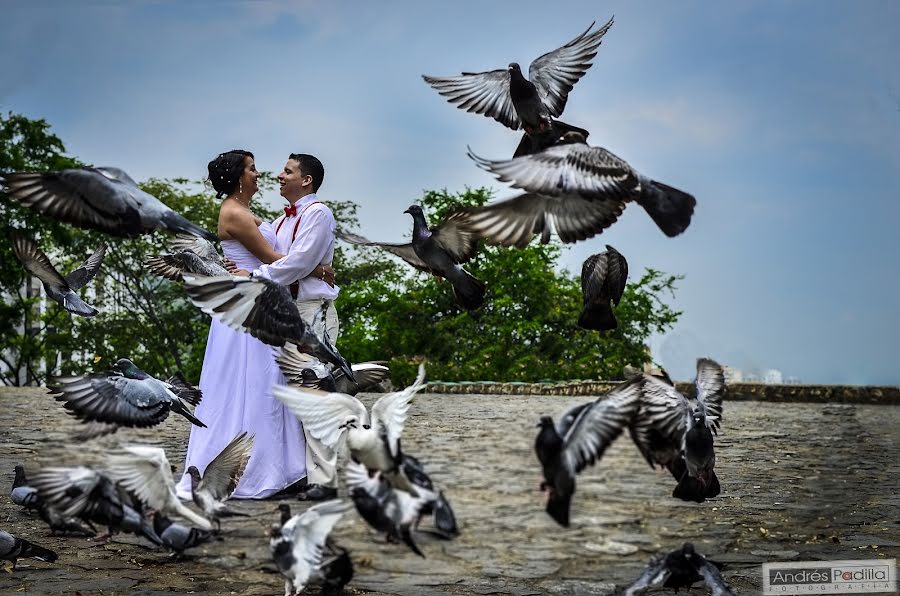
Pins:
x: 225, y: 171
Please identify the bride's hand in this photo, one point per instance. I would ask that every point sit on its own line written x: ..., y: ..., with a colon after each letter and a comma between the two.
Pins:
x: 325, y: 273
x: 233, y: 269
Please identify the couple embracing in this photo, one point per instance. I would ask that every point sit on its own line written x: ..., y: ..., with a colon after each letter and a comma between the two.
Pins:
x: 239, y: 371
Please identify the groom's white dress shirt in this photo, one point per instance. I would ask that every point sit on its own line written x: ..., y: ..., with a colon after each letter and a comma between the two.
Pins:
x: 307, y: 241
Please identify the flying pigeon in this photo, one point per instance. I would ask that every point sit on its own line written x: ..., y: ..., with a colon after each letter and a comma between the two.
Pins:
x: 678, y: 569
x: 262, y: 308
x: 516, y: 102
x: 146, y: 472
x: 297, y: 545
x: 439, y: 251
x: 59, y: 288
x: 603, y: 277
x: 305, y: 371
x: 384, y: 507
x: 581, y: 437
x: 677, y: 433
x: 178, y: 537
x: 188, y: 255
x: 12, y: 549
x: 126, y: 396
x: 89, y: 495
x: 373, y: 439
x: 575, y: 169
x: 220, y: 478
x: 434, y: 501
x: 104, y: 199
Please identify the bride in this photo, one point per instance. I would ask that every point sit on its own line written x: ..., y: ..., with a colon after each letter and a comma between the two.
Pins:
x: 238, y: 369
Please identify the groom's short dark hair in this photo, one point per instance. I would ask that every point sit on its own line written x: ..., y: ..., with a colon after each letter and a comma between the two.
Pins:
x: 310, y: 166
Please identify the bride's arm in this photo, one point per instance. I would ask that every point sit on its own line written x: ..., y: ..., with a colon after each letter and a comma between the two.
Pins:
x: 239, y: 225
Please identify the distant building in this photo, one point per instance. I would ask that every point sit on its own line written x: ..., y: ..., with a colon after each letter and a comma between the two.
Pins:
x: 733, y: 375
x: 773, y: 376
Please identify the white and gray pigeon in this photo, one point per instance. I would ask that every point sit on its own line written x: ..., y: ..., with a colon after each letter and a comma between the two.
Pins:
x: 516, y: 102
x: 681, y: 568
x: 297, y: 545
x: 126, y: 396
x: 440, y: 250
x: 102, y: 198
x: 188, y: 255
x: 262, y: 308
x: 579, y: 439
x: 178, y: 537
x: 603, y: 278
x: 372, y: 438
x: 13, y: 549
x: 94, y: 497
x: 59, y: 288
x: 676, y: 433
x: 303, y: 370
x: 574, y: 170
x: 435, y: 503
x: 384, y: 507
x: 145, y: 471
x: 220, y: 478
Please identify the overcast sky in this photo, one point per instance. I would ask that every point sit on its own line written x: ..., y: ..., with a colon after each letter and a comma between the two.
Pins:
x: 781, y: 118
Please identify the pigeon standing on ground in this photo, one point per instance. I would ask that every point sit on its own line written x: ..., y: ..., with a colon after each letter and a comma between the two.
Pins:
x: 89, y: 495
x: 103, y: 198
x: 573, y: 169
x: 581, y: 437
x: 297, y: 545
x: 677, y: 433
x: 384, y: 507
x: 220, y: 478
x: 516, y: 102
x: 22, y: 494
x: 59, y: 288
x: 440, y: 251
x: 178, y: 537
x: 603, y: 278
x: 678, y: 569
x: 145, y: 471
x: 12, y: 549
x: 126, y: 396
x: 262, y: 308
x: 373, y: 439
x: 302, y: 370
x: 188, y: 256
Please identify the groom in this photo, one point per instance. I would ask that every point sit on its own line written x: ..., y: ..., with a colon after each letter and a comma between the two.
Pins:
x: 305, y: 235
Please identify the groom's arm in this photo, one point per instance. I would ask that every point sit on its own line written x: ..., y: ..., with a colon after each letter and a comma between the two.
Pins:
x: 307, y: 251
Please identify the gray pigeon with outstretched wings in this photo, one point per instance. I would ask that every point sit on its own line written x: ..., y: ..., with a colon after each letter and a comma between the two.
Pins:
x: 59, y: 288
x: 102, y: 198
x: 188, y: 255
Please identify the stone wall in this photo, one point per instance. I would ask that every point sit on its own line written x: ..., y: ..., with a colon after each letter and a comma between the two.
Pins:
x: 857, y: 394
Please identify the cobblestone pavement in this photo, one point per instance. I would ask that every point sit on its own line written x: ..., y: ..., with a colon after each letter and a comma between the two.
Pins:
x: 800, y: 481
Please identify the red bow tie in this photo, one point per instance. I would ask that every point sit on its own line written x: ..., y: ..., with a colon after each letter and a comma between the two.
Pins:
x: 290, y: 210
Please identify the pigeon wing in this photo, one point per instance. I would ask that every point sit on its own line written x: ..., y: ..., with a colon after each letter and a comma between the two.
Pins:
x: 663, y: 410
x: 178, y: 385
x: 175, y: 266
x: 257, y: 305
x: 555, y: 73
x: 592, y: 172
x: 599, y: 425
x: 616, y: 274
x: 404, y: 251
x: 69, y: 490
x: 110, y: 398
x: 85, y: 197
x: 653, y: 574
x: 389, y: 412
x: 145, y: 471
x: 356, y: 475
x: 308, y: 531
x: 36, y: 262
x: 201, y: 247
x: 221, y: 476
x: 322, y: 414
x: 593, y: 277
x: 369, y: 373
x: 515, y: 221
x: 713, y: 579
x: 456, y: 238
x: 485, y: 93
x: 293, y: 362
x: 710, y: 390
x: 86, y: 272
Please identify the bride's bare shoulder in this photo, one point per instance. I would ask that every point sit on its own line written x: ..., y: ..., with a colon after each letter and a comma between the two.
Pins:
x: 232, y: 217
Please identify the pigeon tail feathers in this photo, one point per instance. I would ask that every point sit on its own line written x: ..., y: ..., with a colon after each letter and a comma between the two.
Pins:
x: 670, y: 208
x: 469, y: 290
x: 177, y: 223
x: 558, y: 508
x: 598, y: 317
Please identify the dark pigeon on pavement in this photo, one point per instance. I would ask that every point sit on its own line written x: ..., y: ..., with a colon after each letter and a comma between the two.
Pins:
x: 59, y: 288
x: 681, y: 568
x: 13, y: 549
x: 579, y: 439
x: 105, y: 199
x: 440, y: 251
x: 126, y: 396
x: 603, y: 278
